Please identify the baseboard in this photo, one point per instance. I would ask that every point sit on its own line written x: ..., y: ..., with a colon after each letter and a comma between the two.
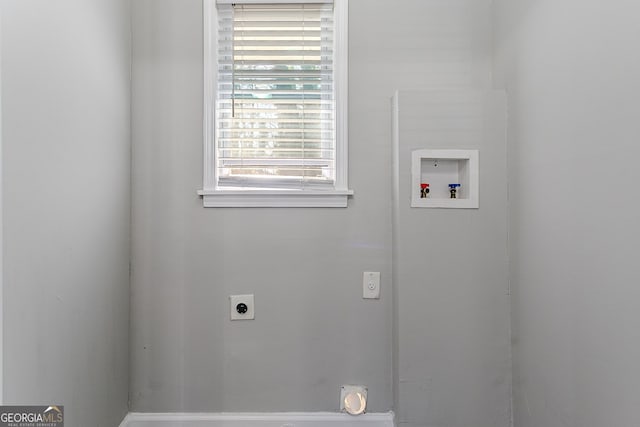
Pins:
x: 281, y: 419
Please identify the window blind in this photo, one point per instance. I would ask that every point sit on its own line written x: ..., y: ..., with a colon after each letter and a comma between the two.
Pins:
x: 275, y: 105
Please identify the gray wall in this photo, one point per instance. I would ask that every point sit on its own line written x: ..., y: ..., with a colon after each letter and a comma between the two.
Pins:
x: 1, y: 233
x: 66, y: 197
x: 312, y: 332
x: 450, y: 269
x: 571, y: 70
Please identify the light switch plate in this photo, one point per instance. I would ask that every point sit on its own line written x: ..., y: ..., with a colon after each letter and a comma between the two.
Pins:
x: 371, y: 285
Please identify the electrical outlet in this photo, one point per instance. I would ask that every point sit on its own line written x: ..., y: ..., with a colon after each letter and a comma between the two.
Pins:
x: 242, y: 307
x: 371, y: 285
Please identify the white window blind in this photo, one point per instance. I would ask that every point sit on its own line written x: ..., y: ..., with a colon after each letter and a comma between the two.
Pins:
x: 275, y: 96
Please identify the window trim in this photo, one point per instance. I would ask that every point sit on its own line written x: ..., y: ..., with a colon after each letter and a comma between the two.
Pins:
x: 213, y: 196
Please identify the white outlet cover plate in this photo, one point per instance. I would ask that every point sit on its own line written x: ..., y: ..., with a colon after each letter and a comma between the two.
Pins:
x: 234, y: 300
x: 371, y: 285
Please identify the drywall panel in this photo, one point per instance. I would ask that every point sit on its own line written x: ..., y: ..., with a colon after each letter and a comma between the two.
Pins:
x: 66, y: 206
x: 313, y: 331
x: 571, y: 72
x: 450, y: 268
x: 1, y: 236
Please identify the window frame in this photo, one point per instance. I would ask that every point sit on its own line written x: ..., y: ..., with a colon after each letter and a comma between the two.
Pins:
x: 214, y: 196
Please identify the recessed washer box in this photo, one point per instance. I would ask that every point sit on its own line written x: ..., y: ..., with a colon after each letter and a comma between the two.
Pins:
x: 439, y: 169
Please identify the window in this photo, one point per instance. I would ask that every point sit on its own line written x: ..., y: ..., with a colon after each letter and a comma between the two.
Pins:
x: 275, y: 103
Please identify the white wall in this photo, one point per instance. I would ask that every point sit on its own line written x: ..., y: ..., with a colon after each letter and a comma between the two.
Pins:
x: 571, y: 70
x: 450, y: 268
x: 312, y: 332
x: 66, y: 206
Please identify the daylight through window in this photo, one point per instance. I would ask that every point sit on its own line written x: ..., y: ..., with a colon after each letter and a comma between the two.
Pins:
x: 275, y: 106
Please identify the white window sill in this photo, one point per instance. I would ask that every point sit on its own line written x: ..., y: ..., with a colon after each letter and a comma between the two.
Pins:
x: 274, y: 198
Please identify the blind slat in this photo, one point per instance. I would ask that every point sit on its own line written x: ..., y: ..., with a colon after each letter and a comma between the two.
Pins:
x: 270, y: 2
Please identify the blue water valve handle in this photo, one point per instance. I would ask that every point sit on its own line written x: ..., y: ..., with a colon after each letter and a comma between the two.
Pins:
x: 453, y: 189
